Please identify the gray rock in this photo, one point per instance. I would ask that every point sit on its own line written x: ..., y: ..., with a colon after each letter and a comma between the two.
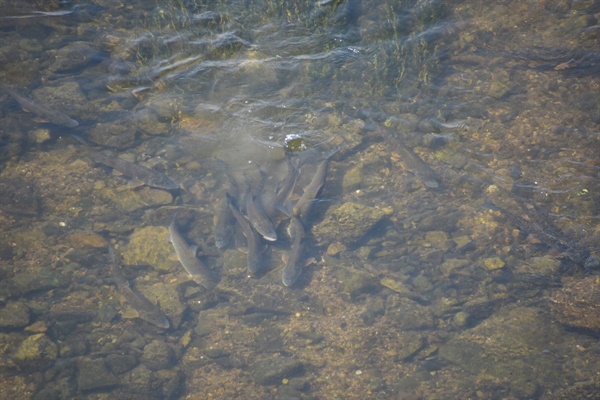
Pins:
x: 509, y: 346
x: 72, y: 56
x: 354, y: 281
x: 407, y: 345
x: 271, y: 371
x: 374, y: 308
x: 119, y: 134
x: 14, y: 315
x: 408, y: 314
x: 210, y: 321
x: 73, y: 308
x: 93, y: 375
x: 349, y: 223
x: 39, y: 280
x: 172, y: 383
x: 120, y: 363
x: 157, y: 355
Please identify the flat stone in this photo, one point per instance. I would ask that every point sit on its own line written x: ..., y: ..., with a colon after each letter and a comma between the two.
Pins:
x: 149, y: 246
x: 577, y: 304
x: 210, y: 321
x: 126, y: 199
x: 349, y: 223
x: 407, y: 314
x: 93, y: 375
x: 273, y: 370
x: 493, y: 263
x: 355, y: 281
x: 40, y: 280
x: 510, y: 347
x: 36, y: 352
x: 14, y: 315
x: 120, y: 363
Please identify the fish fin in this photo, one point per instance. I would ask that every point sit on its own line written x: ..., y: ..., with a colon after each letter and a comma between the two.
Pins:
x: 286, y: 208
x: 230, y: 200
x: 133, y: 183
x: 328, y: 154
x: 129, y: 313
x: 310, y: 261
x: 194, y: 249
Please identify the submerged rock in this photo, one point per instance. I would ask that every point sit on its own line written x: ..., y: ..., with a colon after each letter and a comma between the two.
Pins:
x: 149, y: 246
x: 271, y: 371
x: 354, y: 281
x: 510, y: 347
x: 30, y: 281
x: 119, y: 134
x: 157, y: 355
x: 166, y: 296
x: 93, y: 375
x: 36, y: 352
x: 72, y: 56
x: 578, y: 304
x: 349, y: 223
x: 407, y: 314
x: 14, y: 315
x: 18, y: 196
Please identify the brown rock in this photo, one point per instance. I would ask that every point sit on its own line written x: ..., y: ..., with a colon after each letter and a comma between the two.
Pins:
x: 578, y: 304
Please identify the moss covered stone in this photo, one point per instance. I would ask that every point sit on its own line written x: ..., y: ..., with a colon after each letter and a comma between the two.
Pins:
x: 36, y: 352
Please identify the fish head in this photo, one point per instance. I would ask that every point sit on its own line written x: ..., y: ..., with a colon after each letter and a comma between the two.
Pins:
x: 290, y: 274
x: 163, y: 182
x: 156, y: 319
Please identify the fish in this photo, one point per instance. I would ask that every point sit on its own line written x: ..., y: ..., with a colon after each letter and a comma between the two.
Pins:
x: 258, y: 218
x: 282, y: 192
x: 196, y: 269
x: 304, y: 204
x: 224, y: 227
x: 54, y: 116
x: 146, y: 310
x: 255, y: 211
x: 255, y: 247
x: 417, y: 166
x: 148, y: 176
x: 293, y: 269
x: 548, y: 234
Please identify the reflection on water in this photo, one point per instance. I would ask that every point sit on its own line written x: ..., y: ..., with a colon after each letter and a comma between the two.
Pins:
x: 452, y: 252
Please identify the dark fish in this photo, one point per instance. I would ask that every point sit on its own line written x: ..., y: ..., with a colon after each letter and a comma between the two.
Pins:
x: 146, y: 310
x: 225, y: 225
x: 548, y: 234
x: 197, y: 270
x: 420, y: 168
x: 293, y: 269
x: 305, y: 202
x: 46, y: 113
x: 148, y: 176
x: 255, y: 247
x: 282, y: 192
x: 258, y: 218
